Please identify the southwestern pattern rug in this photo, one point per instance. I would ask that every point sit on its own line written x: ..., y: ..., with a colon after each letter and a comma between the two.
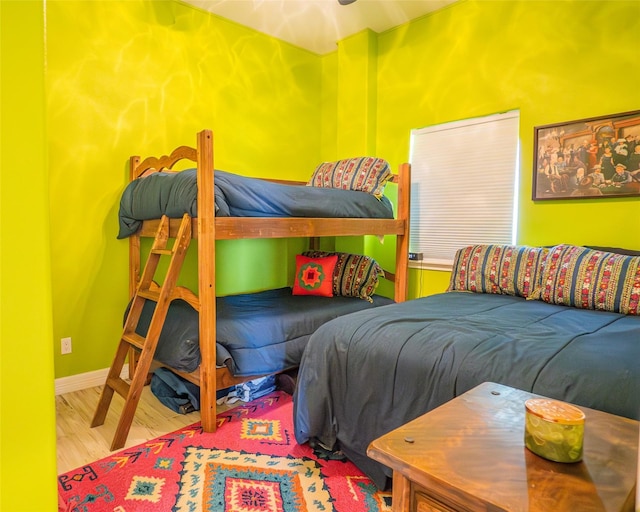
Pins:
x: 252, y: 463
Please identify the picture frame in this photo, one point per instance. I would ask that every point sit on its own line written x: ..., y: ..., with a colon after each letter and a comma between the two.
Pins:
x: 593, y: 158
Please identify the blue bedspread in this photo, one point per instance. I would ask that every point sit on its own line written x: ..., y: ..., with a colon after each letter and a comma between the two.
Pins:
x: 174, y: 194
x: 256, y: 333
x: 268, y: 331
x: 367, y: 373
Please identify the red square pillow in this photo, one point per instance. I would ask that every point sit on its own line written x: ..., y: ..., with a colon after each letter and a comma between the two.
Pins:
x: 314, y: 276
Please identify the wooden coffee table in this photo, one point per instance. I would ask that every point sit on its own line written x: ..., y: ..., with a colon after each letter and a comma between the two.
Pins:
x: 469, y: 455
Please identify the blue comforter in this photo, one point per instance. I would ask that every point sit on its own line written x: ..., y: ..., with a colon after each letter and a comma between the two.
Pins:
x: 175, y: 194
x: 367, y: 373
x: 257, y: 333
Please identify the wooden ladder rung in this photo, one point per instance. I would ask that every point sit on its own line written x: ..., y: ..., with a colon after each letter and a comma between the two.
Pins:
x: 162, y: 252
x: 134, y: 339
x: 149, y: 294
x: 119, y: 385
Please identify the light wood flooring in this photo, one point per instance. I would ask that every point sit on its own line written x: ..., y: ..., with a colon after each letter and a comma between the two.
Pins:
x: 79, y: 444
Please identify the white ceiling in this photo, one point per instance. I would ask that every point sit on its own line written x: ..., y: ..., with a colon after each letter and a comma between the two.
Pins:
x: 318, y: 24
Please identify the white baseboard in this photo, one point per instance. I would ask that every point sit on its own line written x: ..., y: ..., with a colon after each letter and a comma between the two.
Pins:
x: 85, y: 380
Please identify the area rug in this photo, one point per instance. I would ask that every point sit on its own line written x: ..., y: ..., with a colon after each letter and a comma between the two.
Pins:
x: 252, y: 463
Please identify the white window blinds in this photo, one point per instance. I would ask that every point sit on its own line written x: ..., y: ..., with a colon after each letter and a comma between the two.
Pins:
x: 463, y: 186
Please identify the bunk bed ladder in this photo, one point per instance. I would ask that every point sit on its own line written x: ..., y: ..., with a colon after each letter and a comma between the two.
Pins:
x: 162, y: 295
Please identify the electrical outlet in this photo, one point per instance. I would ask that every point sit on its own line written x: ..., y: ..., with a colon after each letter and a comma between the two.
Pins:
x: 65, y: 345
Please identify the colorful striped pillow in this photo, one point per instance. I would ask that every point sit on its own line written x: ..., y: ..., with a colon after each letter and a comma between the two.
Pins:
x: 355, y: 275
x: 364, y: 174
x: 502, y: 269
x: 591, y: 279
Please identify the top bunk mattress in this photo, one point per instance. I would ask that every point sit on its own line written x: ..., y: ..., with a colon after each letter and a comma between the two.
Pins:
x: 174, y: 194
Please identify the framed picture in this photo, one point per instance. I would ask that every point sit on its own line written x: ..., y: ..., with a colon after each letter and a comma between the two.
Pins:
x: 590, y: 158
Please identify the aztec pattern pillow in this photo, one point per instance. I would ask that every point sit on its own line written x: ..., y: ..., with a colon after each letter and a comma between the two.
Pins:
x: 502, y: 269
x: 364, y: 174
x: 314, y: 276
x: 591, y: 279
x: 355, y: 275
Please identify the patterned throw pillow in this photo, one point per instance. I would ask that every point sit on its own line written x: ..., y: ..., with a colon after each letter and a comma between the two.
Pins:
x: 502, y: 269
x: 591, y: 279
x: 314, y: 276
x: 364, y: 174
x: 355, y: 275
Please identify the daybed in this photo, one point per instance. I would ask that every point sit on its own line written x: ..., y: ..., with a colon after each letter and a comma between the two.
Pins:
x: 560, y: 322
x: 252, y: 208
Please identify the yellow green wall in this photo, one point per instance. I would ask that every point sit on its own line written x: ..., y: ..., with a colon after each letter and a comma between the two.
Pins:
x: 131, y: 77
x: 126, y: 77
x: 27, y: 415
x: 553, y: 60
x: 151, y: 74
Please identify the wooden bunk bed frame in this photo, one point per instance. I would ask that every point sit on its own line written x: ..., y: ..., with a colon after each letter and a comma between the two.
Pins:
x: 208, y: 228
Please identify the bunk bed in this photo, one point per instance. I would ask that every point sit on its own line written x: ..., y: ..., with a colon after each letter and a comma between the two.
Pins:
x: 213, y: 221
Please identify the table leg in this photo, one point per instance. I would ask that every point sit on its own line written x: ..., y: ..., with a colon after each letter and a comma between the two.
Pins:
x: 400, y: 493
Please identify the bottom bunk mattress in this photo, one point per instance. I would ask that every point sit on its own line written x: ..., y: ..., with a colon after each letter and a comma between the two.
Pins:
x: 256, y: 333
x: 365, y: 374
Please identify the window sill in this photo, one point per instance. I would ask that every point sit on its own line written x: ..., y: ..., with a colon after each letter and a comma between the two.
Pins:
x: 439, y: 265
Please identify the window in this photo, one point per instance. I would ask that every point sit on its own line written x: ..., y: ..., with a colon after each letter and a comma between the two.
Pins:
x: 464, y: 182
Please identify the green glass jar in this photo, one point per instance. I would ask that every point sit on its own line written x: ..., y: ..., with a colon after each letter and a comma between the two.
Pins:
x: 554, y: 430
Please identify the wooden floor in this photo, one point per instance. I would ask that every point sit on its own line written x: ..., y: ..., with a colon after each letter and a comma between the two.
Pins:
x: 78, y: 444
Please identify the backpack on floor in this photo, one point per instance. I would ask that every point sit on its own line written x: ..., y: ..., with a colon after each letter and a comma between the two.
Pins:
x: 176, y: 393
